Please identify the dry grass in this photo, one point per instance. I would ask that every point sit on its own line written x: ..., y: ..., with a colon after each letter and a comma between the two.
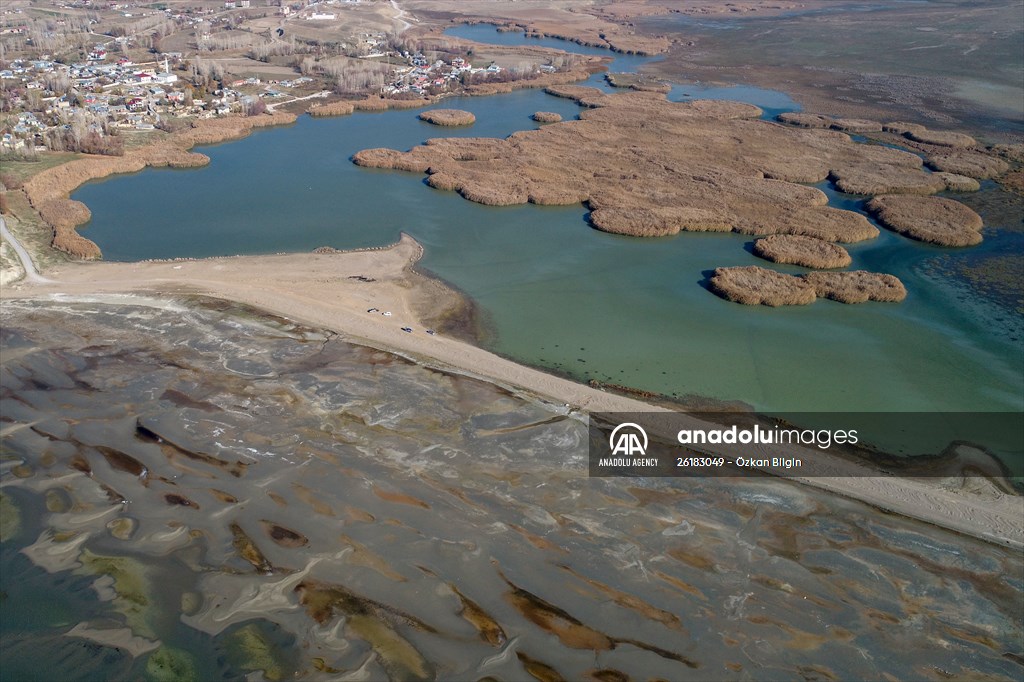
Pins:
x: 928, y: 219
x: 1013, y: 181
x: 856, y: 287
x: 1013, y: 152
x: 804, y: 120
x: 546, y: 117
x: 903, y: 128
x: 941, y: 138
x: 659, y: 222
x: 341, y: 108
x: 382, y: 104
x: 581, y: 94
x: 448, y: 117
x: 753, y: 285
x: 856, y: 125
x: 970, y: 163
x: 725, y: 170
x: 875, y: 179
x: 590, y: 33
x: 799, y: 250
x: 871, y: 179
x: 542, y: 80
x: 636, y: 81
x: 959, y: 183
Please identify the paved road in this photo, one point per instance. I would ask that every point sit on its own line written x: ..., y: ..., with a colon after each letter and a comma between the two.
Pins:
x: 31, y: 274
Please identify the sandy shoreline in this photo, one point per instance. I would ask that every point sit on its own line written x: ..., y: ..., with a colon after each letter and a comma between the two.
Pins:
x: 335, y: 290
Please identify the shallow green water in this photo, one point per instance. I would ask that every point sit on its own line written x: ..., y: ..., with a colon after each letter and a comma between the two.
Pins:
x: 560, y: 295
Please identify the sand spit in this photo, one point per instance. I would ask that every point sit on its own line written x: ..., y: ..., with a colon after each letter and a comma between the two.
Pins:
x: 546, y: 117
x: 858, y: 286
x: 753, y: 285
x: 799, y: 250
x: 48, y: 191
x: 725, y: 169
x: 928, y: 219
x: 448, y: 117
x: 324, y: 291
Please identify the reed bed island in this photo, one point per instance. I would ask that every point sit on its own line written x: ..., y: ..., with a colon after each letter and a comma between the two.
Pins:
x: 727, y: 170
x: 935, y: 220
x: 448, y: 117
x: 546, y: 117
x: 795, y: 249
x: 753, y: 285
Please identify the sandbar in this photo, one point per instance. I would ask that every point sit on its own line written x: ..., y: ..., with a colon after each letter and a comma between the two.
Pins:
x: 336, y: 291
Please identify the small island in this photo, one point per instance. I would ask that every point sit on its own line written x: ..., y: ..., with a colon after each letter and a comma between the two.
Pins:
x: 448, y: 117
x: 753, y: 285
x: 546, y: 117
x: 794, y: 249
x: 934, y: 220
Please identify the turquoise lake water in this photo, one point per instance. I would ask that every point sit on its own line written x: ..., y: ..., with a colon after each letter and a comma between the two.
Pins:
x: 560, y: 295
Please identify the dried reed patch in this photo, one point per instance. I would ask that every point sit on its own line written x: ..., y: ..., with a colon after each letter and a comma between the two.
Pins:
x: 754, y: 285
x: 448, y: 117
x: 857, y: 287
x: 546, y: 117
x: 809, y: 252
x: 928, y: 219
